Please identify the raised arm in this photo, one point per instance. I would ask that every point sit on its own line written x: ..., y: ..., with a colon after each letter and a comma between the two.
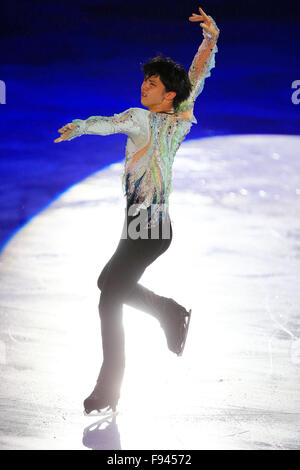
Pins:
x: 203, y: 62
x: 124, y: 123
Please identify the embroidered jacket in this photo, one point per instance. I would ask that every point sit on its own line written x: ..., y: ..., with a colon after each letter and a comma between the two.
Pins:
x: 153, y: 139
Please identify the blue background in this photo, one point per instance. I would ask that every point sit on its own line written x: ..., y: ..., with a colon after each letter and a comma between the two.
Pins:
x: 73, y: 59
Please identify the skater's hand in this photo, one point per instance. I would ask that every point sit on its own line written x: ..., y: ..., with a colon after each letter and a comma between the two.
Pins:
x: 209, y: 25
x: 65, y: 131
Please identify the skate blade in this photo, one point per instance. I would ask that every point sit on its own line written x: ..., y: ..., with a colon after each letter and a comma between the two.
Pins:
x: 104, y: 412
x: 186, y: 333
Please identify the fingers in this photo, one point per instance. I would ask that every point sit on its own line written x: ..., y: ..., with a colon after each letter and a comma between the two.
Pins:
x: 65, y: 131
x: 199, y: 18
x: 207, y: 19
x: 66, y: 127
x: 196, y: 17
x: 204, y: 15
x: 62, y: 137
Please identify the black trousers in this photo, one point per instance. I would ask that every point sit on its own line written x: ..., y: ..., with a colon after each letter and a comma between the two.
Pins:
x: 119, y: 284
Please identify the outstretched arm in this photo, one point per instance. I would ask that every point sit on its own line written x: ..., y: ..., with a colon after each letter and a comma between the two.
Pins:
x: 124, y: 123
x: 203, y: 61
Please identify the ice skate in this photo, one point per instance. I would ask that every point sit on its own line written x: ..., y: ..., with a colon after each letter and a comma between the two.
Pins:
x: 176, y: 326
x: 98, y: 403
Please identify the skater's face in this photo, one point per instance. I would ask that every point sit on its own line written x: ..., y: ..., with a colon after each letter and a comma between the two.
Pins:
x: 154, y: 95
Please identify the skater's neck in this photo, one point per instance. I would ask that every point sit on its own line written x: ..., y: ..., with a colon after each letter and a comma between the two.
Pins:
x: 161, y: 109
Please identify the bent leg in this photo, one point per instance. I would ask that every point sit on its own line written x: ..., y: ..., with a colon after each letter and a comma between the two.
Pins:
x: 118, y: 283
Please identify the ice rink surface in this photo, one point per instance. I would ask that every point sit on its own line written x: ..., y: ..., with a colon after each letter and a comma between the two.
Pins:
x: 234, y: 259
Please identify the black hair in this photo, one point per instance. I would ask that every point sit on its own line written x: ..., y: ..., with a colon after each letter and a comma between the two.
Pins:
x: 172, y: 75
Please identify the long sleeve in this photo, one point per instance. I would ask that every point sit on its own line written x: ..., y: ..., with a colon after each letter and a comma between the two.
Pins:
x: 200, y: 68
x: 123, y: 123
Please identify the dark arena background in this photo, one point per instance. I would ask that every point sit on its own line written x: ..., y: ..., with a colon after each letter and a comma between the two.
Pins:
x: 235, y: 209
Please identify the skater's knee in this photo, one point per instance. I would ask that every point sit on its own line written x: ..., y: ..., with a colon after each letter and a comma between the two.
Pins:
x: 102, y: 277
x: 100, y: 281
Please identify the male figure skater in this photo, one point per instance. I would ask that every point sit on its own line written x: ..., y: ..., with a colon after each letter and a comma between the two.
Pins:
x: 154, y: 136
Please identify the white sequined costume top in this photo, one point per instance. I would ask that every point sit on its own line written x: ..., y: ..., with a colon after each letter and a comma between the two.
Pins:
x: 154, y: 137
